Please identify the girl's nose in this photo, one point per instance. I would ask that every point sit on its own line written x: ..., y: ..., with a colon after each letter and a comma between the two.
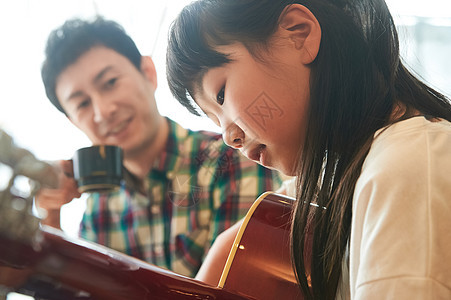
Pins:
x: 233, y: 136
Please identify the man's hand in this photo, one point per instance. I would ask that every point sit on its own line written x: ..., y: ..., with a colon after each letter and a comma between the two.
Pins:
x: 52, y: 199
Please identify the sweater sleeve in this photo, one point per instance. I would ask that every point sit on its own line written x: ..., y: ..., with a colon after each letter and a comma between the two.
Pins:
x: 401, y: 228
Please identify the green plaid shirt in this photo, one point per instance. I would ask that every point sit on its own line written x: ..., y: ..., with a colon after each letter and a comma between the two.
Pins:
x: 196, y: 189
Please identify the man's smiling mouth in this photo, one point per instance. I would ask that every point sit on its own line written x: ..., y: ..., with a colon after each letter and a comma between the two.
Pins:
x: 117, y: 128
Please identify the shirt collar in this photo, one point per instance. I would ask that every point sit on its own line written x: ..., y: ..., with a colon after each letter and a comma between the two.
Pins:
x: 167, y: 163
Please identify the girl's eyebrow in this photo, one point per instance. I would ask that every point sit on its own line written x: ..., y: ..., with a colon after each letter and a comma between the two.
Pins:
x: 198, y: 81
x: 198, y: 85
x: 199, y: 91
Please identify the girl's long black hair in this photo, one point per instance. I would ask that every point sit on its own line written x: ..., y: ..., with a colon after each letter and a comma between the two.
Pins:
x: 357, y: 81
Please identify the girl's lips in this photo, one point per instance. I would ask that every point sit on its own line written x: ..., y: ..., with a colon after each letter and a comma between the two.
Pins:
x: 255, y: 153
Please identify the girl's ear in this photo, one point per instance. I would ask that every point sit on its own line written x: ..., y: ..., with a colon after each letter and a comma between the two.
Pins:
x: 148, y: 69
x: 302, y: 27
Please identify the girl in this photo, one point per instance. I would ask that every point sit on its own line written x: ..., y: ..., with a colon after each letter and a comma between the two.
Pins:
x: 317, y: 89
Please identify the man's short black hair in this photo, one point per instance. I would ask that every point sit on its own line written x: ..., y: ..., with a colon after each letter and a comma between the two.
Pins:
x: 75, y: 37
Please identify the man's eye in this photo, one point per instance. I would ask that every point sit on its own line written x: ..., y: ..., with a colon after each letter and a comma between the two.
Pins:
x: 220, y: 96
x: 110, y: 83
x: 83, y: 104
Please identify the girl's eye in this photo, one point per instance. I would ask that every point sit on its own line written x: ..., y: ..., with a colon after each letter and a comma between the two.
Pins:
x: 220, y: 96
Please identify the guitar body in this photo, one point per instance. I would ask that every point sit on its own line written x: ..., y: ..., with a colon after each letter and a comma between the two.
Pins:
x: 258, y: 267
x: 67, y: 268
x: 259, y: 263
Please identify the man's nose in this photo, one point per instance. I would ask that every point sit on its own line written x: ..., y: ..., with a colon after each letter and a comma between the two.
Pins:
x: 233, y: 136
x: 103, y: 109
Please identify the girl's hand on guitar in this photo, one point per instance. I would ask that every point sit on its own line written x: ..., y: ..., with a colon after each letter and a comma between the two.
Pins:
x: 52, y: 199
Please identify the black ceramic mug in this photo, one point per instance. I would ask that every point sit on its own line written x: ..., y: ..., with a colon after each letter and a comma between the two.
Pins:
x: 98, y: 168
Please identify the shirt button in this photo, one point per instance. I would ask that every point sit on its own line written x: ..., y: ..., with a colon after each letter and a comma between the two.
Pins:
x: 155, y: 209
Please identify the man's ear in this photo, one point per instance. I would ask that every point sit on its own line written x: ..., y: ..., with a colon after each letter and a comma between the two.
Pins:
x: 303, y: 29
x: 148, y: 69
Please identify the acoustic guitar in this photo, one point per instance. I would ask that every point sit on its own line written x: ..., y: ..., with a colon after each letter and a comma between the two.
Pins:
x: 259, y: 264
x: 45, y: 263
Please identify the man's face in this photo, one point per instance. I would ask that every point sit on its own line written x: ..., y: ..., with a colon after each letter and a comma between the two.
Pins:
x: 111, y: 101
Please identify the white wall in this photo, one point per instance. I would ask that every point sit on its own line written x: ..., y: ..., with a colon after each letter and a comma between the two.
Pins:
x: 24, y: 26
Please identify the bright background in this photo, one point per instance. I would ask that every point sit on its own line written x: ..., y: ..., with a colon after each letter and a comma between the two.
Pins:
x: 27, y: 115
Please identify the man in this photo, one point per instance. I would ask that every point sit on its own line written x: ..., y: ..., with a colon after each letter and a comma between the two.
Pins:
x: 191, y: 185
